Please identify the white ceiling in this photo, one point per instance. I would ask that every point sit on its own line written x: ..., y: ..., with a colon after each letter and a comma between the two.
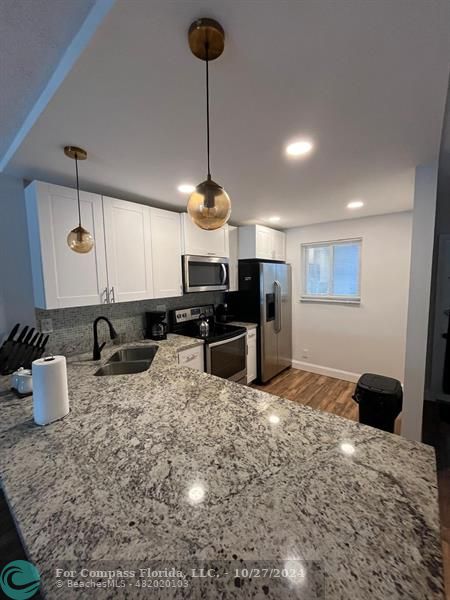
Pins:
x: 366, y: 80
x: 33, y: 37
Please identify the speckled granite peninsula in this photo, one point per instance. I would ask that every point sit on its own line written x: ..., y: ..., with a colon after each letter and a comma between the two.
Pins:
x: 178, y: 468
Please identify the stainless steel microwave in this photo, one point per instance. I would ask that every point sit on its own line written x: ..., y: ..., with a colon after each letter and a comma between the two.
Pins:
x: 205, y: 273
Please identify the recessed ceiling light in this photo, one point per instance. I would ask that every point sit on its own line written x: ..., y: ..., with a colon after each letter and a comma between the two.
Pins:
x: 355, y: 204
x: 186, y: 188
x: 299, y: 148
x: 274, y: 219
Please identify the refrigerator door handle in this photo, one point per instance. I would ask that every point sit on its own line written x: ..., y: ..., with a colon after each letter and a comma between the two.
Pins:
x: 277, y: 290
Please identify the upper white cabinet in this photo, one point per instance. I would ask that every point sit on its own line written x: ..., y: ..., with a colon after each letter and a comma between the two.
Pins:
x: 233, y: 239
x: 201, y: 242
x: 136, y: 255
x: 257, y: 241
x: 128, y: 250
x: 279, y: 244
x: 61, y: 277
x: 166, y: 253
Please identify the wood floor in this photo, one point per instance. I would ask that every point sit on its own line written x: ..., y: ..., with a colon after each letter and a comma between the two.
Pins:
x: 317, y: 391
x: 335, y: 396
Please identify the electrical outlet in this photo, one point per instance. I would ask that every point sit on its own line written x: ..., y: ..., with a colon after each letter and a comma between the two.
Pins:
x: 161, y: 307
x: 46, y: 326
x: 305, y: 353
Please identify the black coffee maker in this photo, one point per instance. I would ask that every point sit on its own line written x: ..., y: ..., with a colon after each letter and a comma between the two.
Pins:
x: 155, y: 325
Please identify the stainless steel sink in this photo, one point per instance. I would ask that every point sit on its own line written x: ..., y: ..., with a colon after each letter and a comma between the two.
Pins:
x: 123, y: 368
x: 133, y: 354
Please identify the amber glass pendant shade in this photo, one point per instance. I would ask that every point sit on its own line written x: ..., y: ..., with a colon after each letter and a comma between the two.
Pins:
x: 80, y: 240
x: 209, y: 205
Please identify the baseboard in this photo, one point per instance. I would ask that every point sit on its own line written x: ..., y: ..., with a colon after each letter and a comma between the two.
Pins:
x: 328, y: 371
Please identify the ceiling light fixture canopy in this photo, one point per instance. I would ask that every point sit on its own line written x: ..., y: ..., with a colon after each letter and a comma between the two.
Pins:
x: 79, y: 239
x: 209, y: 205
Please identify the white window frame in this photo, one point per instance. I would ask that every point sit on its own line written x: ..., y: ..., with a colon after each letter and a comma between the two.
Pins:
x: 333, y: 298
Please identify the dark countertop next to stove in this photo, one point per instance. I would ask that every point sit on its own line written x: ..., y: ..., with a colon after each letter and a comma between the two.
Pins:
x: 179, y: 466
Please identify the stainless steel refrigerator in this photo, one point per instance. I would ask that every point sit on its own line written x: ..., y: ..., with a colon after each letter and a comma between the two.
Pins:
x: 264, y: 297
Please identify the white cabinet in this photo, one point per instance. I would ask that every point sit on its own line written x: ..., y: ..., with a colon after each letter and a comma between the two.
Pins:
x: 201, y: 242
x: 263, y: 243
x: 279, y: 245
x: 233, y: 238
x: 257, y: 241
x: 136, y: 255
x: 128, y: 250
x: 61, y: 277
x: 251, y: 355
x: 166, y: 253
x: 192, y: 358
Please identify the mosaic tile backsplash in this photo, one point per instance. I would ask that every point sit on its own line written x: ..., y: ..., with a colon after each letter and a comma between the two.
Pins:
x: 72, y: 327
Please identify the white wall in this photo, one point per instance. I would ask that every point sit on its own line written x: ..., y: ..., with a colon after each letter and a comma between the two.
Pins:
x: 16, y: 292
x: 419, y: 300
x: 347, y: 340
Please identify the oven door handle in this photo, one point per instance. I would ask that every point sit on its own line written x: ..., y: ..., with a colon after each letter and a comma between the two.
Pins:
x: 222, y: 342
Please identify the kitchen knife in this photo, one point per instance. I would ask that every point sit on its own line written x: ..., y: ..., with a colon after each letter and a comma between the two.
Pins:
x: 36, y: 350
x: 29, y: 351
x: 10, y: 359
x: 8, y: 344
x: 44, y: 343
x: 18, y: 359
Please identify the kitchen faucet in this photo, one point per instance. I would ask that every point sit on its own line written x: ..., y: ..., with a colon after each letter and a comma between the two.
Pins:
x: 112, y: 334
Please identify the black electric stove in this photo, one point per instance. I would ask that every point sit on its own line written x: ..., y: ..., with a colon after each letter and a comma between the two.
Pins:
x: 186, y: 321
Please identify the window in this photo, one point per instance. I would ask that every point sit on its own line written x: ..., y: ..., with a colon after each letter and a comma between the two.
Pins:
x: 331, y: 271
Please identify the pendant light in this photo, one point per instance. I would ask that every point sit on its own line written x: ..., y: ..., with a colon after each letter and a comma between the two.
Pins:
x: 209, y: 205
x: 79, y: 239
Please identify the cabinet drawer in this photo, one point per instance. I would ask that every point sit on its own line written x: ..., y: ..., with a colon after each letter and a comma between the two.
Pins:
x: 192, y: 358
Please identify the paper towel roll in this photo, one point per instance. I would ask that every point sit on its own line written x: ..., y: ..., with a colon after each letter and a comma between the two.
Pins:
x: 50, y: 393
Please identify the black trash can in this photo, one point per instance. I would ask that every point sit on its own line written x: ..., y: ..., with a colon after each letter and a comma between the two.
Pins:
x: 380, y: 400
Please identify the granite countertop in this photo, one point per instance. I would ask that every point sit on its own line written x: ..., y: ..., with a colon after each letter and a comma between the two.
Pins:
x: 177, y: 468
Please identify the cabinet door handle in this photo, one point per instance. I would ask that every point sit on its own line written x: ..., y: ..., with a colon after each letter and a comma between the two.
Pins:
x: 113, y: 295
x: 188, y: 358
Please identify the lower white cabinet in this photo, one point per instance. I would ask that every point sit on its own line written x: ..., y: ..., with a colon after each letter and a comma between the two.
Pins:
x: 192, y: 358
x: 251, y: 355
x: 61, y: 277
x: 128, y: 250
x: 166, y: 253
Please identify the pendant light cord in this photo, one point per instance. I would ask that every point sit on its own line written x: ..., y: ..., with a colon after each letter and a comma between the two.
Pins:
x: 207, y: 106
x: 78, y: 190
